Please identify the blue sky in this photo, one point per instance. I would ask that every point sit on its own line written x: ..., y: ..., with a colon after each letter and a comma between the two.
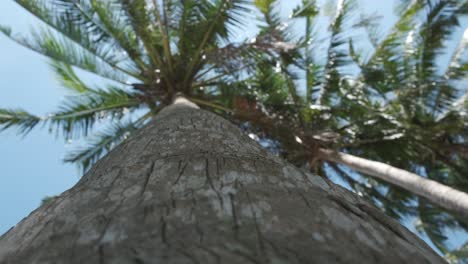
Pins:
x: 31, y: 167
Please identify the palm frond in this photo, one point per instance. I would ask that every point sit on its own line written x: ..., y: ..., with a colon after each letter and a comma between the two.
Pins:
x: 386, y: 47
x: 118, y: 26
x: 431, y: 225
x: 78, y: 114
x: 214, y: 19
x: 139, y: 13
x: 21, y: 119
x: 68, y: 78
x: 75, y: 21
x: 370, y: 23
x: 48, y: 44
x: 337, y: 55
x: 264, y: 5
x: 383, y: 68
x: 308, y: 10
x: 102, y: 142
x: 441, y: 20
x: 458, y: 255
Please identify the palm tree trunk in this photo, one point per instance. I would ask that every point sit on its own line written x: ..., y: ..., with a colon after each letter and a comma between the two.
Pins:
x: 439, y: 194
x: 191, y: 188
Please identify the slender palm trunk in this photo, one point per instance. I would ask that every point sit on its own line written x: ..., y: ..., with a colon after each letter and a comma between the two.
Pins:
x: 439, y: 194
x: 191, y: 188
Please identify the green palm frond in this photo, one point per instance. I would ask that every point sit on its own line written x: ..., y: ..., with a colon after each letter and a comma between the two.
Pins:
x: 441, y: 19
x: 50, y: 45
x: 264, y: 5
x: 229, y: 63
x: 458, y: 66
x: 68, y: 78
x: 370, y: 23
x: 387, y: 47
x: 458, y: 255
x: 78, y: 113
x: 309, y: 10
x: 76, y: 21
x: 113, y: 20
x: 432, y: 223
x: 21, y: 119
x: 271, y: 86
x: 337, y: 55
x: 102, y: 142
x: 162, y: 20
x: 214, y: 20
x: 382, y: 70
x: 143, y: 25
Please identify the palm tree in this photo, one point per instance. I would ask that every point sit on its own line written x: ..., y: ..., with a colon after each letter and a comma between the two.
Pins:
x: 396, y: 108
x: 397, y: 105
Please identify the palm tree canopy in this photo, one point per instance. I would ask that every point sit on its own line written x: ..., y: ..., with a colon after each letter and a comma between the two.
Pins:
x: 384, y: 97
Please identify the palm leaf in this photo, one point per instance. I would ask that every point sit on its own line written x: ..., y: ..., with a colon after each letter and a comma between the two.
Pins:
x: 113, y: 20
x: 21, y: 119
x: 78, y: 113
x: 214, y: 21
x: 142, y: 24
x: 441, y: 20
x: 68, y: 78
x: 74, y: 20
x: 102, y: 142
x: 48, y: 44
x: 337, y: 56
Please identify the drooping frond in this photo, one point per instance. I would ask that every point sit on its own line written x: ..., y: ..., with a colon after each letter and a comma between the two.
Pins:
x: 102, y: 142
x: 337, y: 55
x: 202, y: 25
x: 113, y: 20
x: 68, y: 78
x: 432, y: 224
x: 21, y: 119
x: 76, y: 21
x: 78, y: 114
x: 441, y: 20
x: 458, y: 65
x: 387, y: 47
x: 460, y: 253
x: 48, y: 44
x: 309, y: 10
x: 383, y: 68
x: 141, y: 19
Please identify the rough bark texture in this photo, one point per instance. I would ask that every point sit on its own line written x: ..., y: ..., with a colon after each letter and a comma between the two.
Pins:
x: 191, y: 188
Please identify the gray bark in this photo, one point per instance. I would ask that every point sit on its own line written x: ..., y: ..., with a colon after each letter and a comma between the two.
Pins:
x: 191, y: 188
x: 439, y: 194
